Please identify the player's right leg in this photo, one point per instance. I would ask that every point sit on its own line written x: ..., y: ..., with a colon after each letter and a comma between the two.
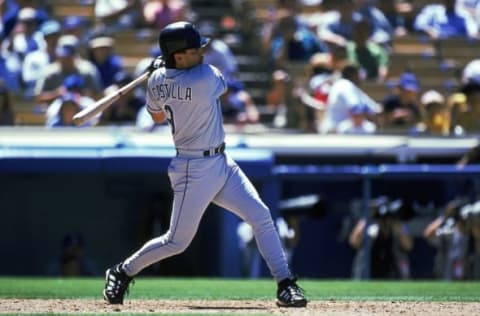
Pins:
x: 240, y: 197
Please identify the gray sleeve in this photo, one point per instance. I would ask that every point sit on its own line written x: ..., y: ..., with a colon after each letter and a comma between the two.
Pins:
x: 220, y: 83
x: 152, y: 106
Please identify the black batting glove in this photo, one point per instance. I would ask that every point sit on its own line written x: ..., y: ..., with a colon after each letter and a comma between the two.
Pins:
x: 156, y: 63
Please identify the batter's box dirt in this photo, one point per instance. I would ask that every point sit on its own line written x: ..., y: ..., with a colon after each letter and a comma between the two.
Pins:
x: 225, y: 307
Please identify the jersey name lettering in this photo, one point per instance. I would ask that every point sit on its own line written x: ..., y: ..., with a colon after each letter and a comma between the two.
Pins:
x: 172, y: 91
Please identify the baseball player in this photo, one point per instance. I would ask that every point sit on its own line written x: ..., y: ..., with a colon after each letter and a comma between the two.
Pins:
x: 185, y: 92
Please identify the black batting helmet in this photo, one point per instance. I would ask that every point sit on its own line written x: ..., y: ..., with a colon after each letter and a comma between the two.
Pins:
x: 179, y: 36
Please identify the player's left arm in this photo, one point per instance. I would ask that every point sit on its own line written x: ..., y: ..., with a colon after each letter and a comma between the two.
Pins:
x: 155, y: 110
x: 158, y: 117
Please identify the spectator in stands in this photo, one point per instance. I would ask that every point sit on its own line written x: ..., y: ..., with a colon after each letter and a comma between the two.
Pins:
x: 42, y: 8
x: 125, y: 110
x: 471, y: 72
x: 101, y: 53
x: 26, y: 35
x: 437, y: 117
x: 401, y: 109
x: 471, y: 88
x: 269, y: 18
x: 74, y: 86
x: 22, y: 39
x: 321, y: 77
x: 382, y: 30
x: 398, y: 15
x: 285, y: 105
x: 444, y: 20
x: 77, y: 26
x: 448, y: 233
x: 7, y: 114
x: 217, y: 52
x: 390, y: 241
x: 118, y: 15
x: 73, y: 261
x: 8, y: 18
x: 358, y: 122
x: 68, y: 108
x: 344, y: 94
x: 159, y: 13
x: 10, y: 68
x: 278, y: 96
x: 471, y: 7
x: 315, y: 95
x: 68, y: 62
x: 238, y: 106
x: 36, y: 62
x: 311, y: 13
x: 293, y: 42
x: 339, y: 25
x: 371, y: 57
x: 339, y: 57
x: 458, y: 108
x: 337, y: 28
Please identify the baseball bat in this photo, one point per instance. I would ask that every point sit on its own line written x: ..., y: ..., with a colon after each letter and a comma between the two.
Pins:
x: 101, y: 105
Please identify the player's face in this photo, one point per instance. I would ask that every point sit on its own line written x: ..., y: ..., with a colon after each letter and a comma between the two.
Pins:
x: 189, y: 58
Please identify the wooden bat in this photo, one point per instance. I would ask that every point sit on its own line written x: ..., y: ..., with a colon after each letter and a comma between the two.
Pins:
x: 101, y: 105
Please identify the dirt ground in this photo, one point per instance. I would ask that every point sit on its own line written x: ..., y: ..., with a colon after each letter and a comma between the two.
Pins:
x: 335, y: 308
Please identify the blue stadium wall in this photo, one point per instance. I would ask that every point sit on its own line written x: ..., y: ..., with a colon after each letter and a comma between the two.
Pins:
x: 104, y: 192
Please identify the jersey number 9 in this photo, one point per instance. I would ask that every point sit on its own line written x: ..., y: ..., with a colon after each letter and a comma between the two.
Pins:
x: 170, y: 118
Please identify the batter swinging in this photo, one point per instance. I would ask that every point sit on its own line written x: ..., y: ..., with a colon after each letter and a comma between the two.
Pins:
x: 185, y: 91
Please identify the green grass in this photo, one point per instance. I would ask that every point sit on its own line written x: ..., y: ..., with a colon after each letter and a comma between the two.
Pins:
x: 201, y: 288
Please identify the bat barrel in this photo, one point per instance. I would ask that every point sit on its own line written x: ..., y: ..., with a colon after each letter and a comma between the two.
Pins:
x: 101, y: 105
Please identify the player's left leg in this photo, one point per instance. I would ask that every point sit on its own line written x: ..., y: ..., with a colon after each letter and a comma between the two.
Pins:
x: 240, y: 197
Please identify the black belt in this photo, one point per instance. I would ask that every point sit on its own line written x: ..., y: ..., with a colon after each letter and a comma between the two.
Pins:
x: 214, y: 151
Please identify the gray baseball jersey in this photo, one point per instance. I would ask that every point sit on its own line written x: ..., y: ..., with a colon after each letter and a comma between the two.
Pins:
x: 190, y: 100
x: 199, y: 174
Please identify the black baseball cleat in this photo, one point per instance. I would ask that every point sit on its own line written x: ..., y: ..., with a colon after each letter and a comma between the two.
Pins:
x: 116, y: 284
x: 289, y: 294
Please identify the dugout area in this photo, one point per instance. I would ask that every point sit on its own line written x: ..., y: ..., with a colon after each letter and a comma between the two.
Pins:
x: 102, y: 187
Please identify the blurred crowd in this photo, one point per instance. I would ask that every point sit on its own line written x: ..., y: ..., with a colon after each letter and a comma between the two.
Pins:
x: 454, y: 234
x: 384, y: 240
x: 322, y: 56
x: 345, y: 47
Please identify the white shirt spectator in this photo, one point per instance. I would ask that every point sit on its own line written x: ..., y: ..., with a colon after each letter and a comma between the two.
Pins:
x: 33, y: 68
x: 126, y: 10
x: 104, y: 8
x: 434, y: 18
x: 471, y: 72
x: 344, y: 95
